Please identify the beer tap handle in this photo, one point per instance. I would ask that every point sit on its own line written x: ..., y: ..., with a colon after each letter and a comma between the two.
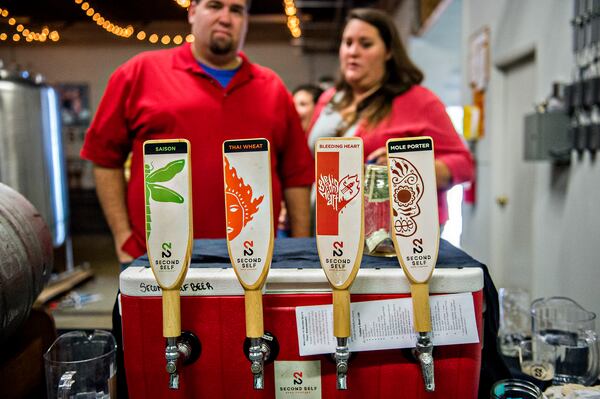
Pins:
x: 169, y: 235
x: 247, y: 178
x: 339, y: 164
x: 411, y: 168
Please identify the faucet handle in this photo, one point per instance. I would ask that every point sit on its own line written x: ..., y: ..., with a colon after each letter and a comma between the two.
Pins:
x: 342, y: 355
x: 424, y: 353
x: 255, y: 354
x: 172, y: 355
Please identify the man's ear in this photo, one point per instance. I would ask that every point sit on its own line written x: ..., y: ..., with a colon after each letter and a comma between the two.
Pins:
x: 192, y: 11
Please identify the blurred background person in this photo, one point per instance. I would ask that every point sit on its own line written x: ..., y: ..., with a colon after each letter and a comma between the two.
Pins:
x: 378, y: 96
x: 305, y: 99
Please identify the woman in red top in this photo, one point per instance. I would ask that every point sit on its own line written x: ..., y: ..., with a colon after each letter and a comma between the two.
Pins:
x: 378, y: 97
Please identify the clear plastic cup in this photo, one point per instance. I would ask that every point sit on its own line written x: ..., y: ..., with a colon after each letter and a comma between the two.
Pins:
x: 82, y: 366
x: 515, y: 320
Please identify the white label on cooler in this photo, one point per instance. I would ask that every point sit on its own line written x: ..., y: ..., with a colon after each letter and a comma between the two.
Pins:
x: 387, y: 324
x: 298, y: 379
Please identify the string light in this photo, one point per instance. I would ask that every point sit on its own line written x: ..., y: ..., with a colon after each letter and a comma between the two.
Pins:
x: 121, y: 31
x: 293, y: 22
x: 106, y: 24
x: 28, y: 34
x: 183, y: 3
x: 128, y: 31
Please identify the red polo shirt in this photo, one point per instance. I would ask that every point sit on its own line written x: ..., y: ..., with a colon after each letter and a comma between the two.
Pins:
x: 166, y: 94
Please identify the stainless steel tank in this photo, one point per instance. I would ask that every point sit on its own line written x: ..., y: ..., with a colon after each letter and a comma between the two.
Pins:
x: 25, y: 259
x: 31, y: 150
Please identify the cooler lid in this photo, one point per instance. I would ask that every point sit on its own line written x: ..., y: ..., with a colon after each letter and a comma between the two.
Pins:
x: 139, y: 281
x: 296, y: 269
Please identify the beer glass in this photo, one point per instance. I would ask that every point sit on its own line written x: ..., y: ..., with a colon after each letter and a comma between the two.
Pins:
x: 515, y: 388
x: 378, y: 241
x: 81, y: 366
x: 564, y: 342
x: 515, y: 320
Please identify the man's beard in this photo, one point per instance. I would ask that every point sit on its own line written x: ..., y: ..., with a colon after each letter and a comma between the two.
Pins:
x: 221, y: 47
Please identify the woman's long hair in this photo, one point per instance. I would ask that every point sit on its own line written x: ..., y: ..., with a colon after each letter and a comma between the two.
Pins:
x: 400, y: 72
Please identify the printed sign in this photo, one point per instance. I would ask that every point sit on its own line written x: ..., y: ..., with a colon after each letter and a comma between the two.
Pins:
x: 249, y: 208
x: 413, y: 204
x: 168, y: 197
x: 387, y: 324
x: 340, y: 211
x: 298, y: 379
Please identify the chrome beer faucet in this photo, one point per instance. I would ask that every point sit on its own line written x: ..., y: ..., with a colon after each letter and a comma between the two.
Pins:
x: 184, y: 349
x: 172, y: 356
x: 342, y: 354
x: 424, y: 354
x: 256, y: 356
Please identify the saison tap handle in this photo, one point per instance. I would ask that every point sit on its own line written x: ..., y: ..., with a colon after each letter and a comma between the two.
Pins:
x: 342, y: 354
x: 424, y: 353
x: 257, y: 365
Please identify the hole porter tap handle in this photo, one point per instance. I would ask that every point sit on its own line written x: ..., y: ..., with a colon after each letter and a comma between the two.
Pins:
x: 415, y: 232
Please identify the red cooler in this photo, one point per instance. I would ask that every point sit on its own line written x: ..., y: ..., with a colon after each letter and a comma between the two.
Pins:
x: 212, y: 306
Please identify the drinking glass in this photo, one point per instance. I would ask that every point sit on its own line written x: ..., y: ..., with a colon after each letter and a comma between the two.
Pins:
x: 515, y: 388
x: 378, y: 241
x: 564, y: 341
x: 81, y: 366
x: 515, y: 321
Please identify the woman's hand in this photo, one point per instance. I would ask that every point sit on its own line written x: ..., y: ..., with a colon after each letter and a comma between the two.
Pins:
x: 378, y: 157
x: 443, y: 176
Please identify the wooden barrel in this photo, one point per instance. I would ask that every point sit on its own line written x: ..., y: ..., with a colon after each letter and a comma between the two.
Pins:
x: 25, y: 259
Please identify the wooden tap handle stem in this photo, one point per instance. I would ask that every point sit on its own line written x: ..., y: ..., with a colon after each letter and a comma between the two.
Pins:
x: 341, y: 313
x: 420, y: 298
x: 171, y: 313
x: 254, y: 313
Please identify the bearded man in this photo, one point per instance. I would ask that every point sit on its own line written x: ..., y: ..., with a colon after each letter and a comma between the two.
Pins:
x: 206, y: 92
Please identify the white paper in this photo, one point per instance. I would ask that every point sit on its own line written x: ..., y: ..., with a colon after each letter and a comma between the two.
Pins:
x: 387, y: 324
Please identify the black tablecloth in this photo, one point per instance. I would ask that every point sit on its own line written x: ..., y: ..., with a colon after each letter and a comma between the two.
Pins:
x: 293, y: 253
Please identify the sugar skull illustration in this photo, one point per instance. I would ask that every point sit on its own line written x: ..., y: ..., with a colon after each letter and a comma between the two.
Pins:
x: 408, y: 189
x: 240, y: 205
x: 338, y: 194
